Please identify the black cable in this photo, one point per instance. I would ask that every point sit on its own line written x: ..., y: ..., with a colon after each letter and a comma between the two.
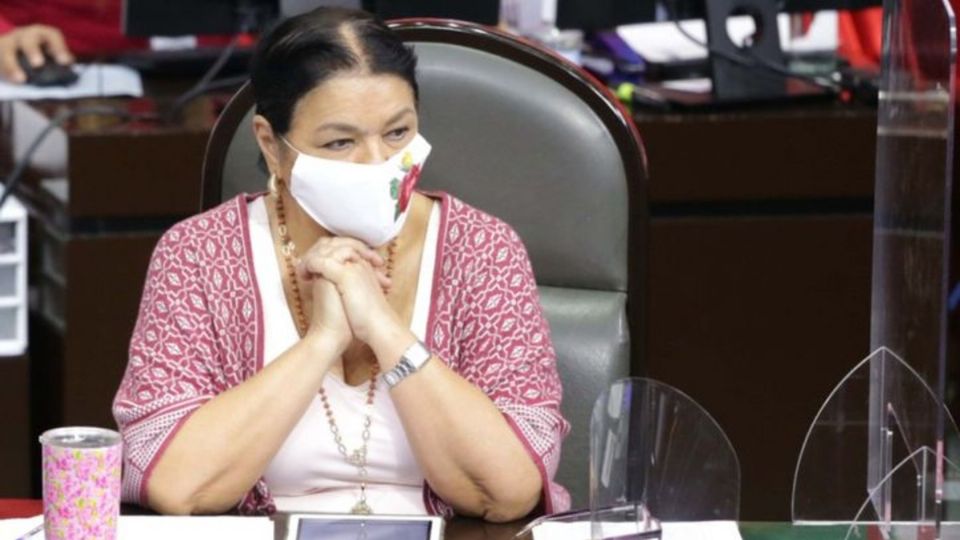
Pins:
x: 748, y: 58
x: 249, y: 17
x: 203, y: 85
x: 12, y: 180
x: 787, y: 72
x: 193, y: 93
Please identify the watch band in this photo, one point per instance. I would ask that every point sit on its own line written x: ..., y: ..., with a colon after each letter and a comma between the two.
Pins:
x: 410, y: 362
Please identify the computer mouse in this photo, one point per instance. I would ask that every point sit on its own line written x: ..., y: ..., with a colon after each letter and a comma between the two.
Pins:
x: 49, y: 74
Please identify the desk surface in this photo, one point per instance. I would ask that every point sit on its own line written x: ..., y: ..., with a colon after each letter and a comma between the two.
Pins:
x: 472, y: 529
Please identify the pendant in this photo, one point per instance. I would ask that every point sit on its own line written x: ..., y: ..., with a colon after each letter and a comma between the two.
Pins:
x: 361, y: 508
x: 358, y: 457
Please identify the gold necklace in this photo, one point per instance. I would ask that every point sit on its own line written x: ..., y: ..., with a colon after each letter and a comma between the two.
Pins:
x: 358, y: 457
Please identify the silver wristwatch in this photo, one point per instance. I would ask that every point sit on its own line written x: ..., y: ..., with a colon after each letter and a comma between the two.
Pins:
x: 412, y: 359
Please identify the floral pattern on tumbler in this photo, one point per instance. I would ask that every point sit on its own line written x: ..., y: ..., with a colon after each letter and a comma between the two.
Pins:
x: 81, y: 483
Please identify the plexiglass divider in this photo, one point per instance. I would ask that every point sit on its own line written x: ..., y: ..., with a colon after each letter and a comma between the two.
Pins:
x: 833, y: 481
x: 875, y: 454
x: 918, y: 469
x: 656, y: 456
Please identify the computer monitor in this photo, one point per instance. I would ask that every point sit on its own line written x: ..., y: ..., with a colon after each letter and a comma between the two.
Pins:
x: 479, y: 11
x: 604, y: 14
x: 693, y: 9
x: 147, y: 18
x: 607, y: 14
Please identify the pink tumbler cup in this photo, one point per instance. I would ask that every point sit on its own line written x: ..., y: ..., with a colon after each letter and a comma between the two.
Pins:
x: 81, y: 483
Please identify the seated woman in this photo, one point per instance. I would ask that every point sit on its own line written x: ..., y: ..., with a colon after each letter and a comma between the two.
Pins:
x: 341, y: 342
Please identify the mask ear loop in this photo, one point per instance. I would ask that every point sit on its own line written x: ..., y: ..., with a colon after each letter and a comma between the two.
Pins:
x: 274, y: 179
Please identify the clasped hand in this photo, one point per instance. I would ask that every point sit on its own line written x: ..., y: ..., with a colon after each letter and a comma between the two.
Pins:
x: 348, y: 280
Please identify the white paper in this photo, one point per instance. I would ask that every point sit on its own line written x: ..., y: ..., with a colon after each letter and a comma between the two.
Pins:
x: 164, y: 528
x: 699, y: 86
x: 688, y: 530
x: 13, y: 529
x: 96, y: 80
x: 173, y: 43
x: 662, y: 42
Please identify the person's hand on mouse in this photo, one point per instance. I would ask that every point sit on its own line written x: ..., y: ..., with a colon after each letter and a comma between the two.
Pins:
x: 33, y: 41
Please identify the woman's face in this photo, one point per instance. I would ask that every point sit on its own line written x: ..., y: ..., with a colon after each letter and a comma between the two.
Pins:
x: 354, y: 117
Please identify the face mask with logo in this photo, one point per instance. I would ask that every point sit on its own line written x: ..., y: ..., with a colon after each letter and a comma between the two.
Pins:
x: 368, y: 202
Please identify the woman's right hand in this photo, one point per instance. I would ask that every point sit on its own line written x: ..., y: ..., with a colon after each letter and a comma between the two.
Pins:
x: 327, y: 315
x: 33, y: 41
x: 327, y: 318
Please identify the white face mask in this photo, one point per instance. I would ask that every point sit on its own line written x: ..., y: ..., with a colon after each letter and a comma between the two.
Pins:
x: 368, y: 202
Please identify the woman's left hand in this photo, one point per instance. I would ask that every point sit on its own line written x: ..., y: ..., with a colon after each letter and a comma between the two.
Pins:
x: 362, y: 294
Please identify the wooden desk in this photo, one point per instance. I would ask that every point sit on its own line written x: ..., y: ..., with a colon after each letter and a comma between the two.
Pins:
x: 98, y: 204
x: 759, y: 278
x: 472, y: 529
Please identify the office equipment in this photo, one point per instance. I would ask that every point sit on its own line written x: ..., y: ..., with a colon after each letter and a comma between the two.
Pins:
x: 147, y: 18
x: 754, y: 68
x: 608, y: 14
x: 478, y: 11
x: 694, y: 9
x: 604, y: 14
x: 666, y: 43
x: 93, y: 80
x: 289, y: 8
x: 185, y: 62
x: 179, y: 17
x: 742, y: 44
x: 50, y: 73
x: 372, y: 527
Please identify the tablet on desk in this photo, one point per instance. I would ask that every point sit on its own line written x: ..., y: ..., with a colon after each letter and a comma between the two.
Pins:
x: 351, y: 527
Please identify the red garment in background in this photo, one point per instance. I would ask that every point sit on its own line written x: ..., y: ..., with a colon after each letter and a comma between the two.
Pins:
x: 861, y: 33
x: 91, y: 27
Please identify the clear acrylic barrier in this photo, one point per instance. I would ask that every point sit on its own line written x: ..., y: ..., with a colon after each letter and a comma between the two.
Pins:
x: 655, y: 456
x: 876, y: 451
x: 652, y: 444
x: 912, y: 235
x: 832, y: 481
x: 919, y: 470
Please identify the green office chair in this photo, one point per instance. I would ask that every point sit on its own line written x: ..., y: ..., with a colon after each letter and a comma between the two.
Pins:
x: 532, y: 139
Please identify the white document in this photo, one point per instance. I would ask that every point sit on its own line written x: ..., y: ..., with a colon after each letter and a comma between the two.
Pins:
x: 96, y: 80
x: 698, y: 86
x: 662, y: 42
x: 688, y: 530
x: 164, y: 528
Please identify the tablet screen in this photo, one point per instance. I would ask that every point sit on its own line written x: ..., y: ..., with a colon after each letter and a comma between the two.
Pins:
x: 353, y: 529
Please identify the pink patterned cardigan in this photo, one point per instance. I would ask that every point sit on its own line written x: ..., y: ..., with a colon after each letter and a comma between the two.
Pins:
x: 200, y: 332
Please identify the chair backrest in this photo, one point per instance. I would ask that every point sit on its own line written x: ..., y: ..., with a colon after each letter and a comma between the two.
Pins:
x: 531, y: 139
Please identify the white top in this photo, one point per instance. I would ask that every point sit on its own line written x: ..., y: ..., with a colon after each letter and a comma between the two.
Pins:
x: 308, y: 474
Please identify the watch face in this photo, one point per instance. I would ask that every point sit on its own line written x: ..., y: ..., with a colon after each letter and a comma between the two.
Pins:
x: 417, y: 355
